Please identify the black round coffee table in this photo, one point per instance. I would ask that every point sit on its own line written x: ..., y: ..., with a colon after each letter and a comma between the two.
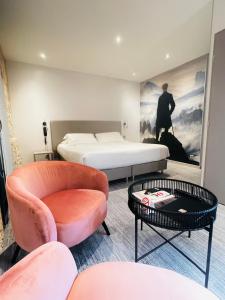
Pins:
x: 198, y: 206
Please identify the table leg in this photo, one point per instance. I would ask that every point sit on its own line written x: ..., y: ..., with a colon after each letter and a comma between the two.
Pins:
x: 141, y: 225
x: 136, y: 239
x: 208, y: 254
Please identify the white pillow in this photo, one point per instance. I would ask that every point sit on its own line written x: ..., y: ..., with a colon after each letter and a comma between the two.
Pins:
x: 80, y: 138
x: 109, y: 137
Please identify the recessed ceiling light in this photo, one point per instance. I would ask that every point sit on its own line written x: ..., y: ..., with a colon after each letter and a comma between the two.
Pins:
x: 133, y: 74
x: 43, y: 55
x: 118, y: 39
x: 167, y: 56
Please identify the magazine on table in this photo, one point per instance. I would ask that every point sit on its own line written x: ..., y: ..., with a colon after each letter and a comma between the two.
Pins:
x: 156, y: 199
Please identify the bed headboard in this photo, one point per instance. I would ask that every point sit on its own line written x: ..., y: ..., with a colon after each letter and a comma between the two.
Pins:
x: 60, y: 128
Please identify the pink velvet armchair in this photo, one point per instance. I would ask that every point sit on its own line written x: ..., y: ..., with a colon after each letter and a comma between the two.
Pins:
x: 50, y: 273
x: 56, y: 201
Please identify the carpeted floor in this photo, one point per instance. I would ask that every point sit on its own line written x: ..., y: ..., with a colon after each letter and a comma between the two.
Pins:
x: 119, y: 246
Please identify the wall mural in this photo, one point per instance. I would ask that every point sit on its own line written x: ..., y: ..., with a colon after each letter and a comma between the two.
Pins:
x: 172, y: 115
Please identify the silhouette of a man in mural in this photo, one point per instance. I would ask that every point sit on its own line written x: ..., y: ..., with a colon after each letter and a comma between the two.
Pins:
x: 166, y: 106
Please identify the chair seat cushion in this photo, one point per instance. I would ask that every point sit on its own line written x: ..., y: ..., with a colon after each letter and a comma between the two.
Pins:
x: 77, y: 213
x: 120, y: 281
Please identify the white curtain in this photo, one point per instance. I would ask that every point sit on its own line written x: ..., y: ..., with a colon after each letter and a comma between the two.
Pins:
x: 11, y: 150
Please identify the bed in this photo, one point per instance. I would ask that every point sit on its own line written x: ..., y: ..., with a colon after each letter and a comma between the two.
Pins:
x: 118, y: 159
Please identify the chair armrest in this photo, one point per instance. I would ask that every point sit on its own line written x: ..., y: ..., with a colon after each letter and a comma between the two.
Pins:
x: 46, y: 273
x: 32, y: 221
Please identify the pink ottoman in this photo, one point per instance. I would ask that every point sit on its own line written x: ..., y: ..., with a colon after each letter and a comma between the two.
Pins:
x: 49, y: 273
x: 132, y: 281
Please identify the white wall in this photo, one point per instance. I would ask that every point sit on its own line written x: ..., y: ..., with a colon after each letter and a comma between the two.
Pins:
x: 218, y: 16
x: 42, y: 94
x: 5, y: 133
x: 218, y: 24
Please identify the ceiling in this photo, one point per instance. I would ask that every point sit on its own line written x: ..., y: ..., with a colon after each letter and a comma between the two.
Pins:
x: 80, y: 35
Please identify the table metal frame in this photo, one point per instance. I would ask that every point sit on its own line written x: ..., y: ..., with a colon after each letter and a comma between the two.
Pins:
x: 209, y: 229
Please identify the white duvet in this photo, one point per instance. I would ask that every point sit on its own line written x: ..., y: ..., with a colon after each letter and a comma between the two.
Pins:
x: 112, y: 155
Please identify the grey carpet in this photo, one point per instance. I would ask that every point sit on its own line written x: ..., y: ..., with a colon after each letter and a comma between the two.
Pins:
x: 119, y: 246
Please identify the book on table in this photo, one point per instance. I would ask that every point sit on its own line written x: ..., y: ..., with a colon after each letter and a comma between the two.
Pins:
x: 155, y: 199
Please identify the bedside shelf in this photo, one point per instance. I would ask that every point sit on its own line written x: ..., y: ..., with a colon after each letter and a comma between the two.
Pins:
x: 43, y: 155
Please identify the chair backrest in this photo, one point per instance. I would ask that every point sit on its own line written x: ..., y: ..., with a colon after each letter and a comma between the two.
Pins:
x: 46, y: 273
x: 47, y: 177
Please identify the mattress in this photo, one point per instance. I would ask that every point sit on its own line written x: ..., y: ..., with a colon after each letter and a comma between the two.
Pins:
x: 112, y: 155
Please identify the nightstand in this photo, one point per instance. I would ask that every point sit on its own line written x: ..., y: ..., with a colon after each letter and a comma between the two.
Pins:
x: 43, y: 155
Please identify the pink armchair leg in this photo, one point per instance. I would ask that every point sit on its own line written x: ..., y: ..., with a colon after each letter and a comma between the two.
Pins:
x: 106, y: 228
x: 15, y: 255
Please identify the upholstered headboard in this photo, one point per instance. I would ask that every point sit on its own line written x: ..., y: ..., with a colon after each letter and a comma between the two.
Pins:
x: 60, y: 128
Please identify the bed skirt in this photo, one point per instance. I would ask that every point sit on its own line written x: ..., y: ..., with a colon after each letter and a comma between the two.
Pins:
x: 132, y: 171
